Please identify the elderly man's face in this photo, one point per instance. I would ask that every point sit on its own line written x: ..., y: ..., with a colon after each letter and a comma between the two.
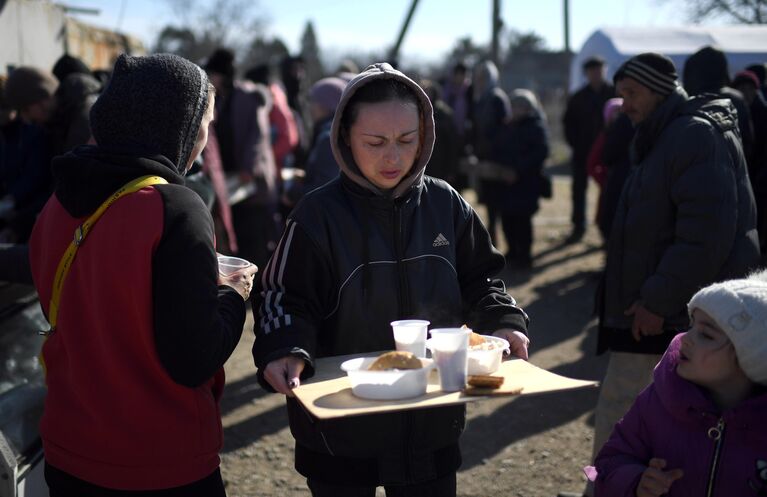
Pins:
x: 638, y: 100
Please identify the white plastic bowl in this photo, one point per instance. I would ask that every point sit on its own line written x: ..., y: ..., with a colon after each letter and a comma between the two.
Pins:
x: 386, y: 385
x: 488, y: 361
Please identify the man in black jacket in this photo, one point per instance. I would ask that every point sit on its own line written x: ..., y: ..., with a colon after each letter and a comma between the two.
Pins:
x: 686, y: 218
x: 583, y: 121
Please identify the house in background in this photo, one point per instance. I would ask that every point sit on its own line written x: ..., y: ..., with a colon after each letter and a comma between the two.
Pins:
x: 38, y: 32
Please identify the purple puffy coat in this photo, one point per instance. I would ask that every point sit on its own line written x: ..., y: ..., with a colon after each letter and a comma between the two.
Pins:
x: 675, y: 420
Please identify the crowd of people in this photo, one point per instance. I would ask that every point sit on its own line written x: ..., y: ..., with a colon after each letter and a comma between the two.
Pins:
x: 345, y: 195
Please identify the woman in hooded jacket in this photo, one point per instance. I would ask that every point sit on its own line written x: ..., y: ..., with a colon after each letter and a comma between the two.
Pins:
x: 379, y: 243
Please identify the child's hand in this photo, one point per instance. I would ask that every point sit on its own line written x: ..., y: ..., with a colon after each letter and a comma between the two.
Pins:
x: 656, y: 482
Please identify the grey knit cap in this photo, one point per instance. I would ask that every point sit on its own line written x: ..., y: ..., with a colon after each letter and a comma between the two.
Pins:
x: 152, y: 105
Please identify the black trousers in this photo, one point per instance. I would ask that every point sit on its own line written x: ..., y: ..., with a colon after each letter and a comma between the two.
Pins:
x: 63, y: 484
x: 441, y: 487
x: 518, y: 230
x: 579, y: 184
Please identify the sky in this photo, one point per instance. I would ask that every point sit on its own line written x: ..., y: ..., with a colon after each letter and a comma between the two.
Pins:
x: 362, y: 26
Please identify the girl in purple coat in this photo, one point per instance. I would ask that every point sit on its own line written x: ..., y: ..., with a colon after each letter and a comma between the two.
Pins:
x: 699, y: 429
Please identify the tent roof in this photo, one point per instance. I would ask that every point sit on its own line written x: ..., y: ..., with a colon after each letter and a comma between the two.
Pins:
x: 743, y: 45
x: 687, y: 40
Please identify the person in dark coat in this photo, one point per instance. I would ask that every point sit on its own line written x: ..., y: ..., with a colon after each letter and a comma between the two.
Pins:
x: 582, y: 122
x: 595, y: 165
x: 520, y: 149
x: 747, y: 83
x: 25, y: 173
x: 447, y: 146
x: 686, y: 218
x: 244, y: 139
x: 707, y: 71
x: 321, y: 166
x: 67, y: 64
x: 330, y: 290
x: 70, y: 124
x: 456, y: 92
x: 490, y: 111
x: 613, y: 157
x: 760, y: 70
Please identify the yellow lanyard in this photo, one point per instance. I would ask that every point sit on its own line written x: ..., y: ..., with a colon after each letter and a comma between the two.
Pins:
x: 80, y: 233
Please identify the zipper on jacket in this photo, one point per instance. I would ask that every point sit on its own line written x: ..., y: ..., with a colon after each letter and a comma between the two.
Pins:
x: 399, y: 253
x: 404, y: 308
x: 715, y: 433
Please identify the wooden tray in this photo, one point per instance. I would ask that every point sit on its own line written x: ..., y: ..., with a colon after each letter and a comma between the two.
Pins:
x: 329, y: 395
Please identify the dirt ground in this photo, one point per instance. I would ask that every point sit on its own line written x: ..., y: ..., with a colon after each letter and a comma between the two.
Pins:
x: 528, y: 446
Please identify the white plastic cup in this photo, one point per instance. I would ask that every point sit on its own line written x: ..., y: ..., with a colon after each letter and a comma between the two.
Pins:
x: 228, y: 265
x: 410, y: 335
x: 450, y: 351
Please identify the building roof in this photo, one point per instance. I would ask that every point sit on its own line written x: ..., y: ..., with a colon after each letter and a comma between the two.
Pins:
x: 743, y: 45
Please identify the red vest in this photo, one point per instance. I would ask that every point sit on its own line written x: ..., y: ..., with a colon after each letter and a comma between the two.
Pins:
x: 113, y: 416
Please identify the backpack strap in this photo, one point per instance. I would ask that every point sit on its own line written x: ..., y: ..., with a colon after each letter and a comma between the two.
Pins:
x: 80, y: 234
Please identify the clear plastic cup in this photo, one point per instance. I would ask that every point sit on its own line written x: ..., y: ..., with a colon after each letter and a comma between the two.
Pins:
x: 228, y: 265
x: 449, y: 348
x: 410, y: 335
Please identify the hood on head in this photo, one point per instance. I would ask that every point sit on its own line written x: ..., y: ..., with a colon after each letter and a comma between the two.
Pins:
x: 152, y: 105
x: 705, y: 71
x: 525, y: 101
x: 342, y: 152
x: 487, y: 73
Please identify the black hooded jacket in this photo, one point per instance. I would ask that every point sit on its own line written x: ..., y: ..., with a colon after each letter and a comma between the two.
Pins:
x: 354, y: 258
x: 706, y: 71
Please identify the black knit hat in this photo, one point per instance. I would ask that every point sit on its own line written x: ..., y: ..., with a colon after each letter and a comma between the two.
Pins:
x: 152, y: 105
x: 222, y: 62
x: 653, y: 70
x: 706, y: 71
x: 760, y: 70
x: 67, y: 65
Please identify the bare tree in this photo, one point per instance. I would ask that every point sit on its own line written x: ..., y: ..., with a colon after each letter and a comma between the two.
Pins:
x: 741, y: 11
x: 310, y: 52
x: 201, y: 26
x: 264, y: 51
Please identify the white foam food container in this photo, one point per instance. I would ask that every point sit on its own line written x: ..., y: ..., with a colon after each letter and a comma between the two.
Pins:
x: 392, y: 384
x: 487, y: 361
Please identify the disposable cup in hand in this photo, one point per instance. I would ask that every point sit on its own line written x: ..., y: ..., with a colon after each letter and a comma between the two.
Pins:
x: 410, y: 336
x: 228, y: 265
x: 449, y: 348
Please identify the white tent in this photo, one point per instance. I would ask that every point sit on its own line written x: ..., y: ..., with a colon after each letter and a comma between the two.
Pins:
x: 744, y: 45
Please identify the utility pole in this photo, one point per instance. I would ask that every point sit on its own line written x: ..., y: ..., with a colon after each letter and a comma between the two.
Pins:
x: 394, y: 53
x: 567, y: 25
x: 496, y: 26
